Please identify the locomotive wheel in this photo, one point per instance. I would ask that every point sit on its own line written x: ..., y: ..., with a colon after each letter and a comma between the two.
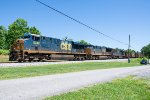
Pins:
x: 39, y: 59
x: 75, y: 59
x: 30, y: 59
x: 24, y: 60
x: 78, y: 59
x: 82, y: 59
x: 19, y: 60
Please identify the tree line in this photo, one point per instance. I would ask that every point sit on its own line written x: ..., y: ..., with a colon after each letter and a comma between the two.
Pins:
x: 146, y: 51
x: 14, y: 31
x: 20, y: 26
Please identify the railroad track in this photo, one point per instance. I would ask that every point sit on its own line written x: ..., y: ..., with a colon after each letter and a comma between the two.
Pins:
x: 24, y: 64
x: 32, y: 61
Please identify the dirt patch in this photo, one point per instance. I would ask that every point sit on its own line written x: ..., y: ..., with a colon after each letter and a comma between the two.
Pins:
x: 4, y: 58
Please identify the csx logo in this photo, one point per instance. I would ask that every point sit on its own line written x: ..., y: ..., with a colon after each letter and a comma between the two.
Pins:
x: 35, y: 42
x: 66, y: 46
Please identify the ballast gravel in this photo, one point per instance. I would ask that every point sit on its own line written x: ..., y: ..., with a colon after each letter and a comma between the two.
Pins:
x: 37, y: 88
x: 5, y: 65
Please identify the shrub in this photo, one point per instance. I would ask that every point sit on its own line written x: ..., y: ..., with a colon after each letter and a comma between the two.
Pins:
x: 4, y: 52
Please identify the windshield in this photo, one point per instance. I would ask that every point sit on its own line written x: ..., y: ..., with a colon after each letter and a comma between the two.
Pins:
x: 26, y: 37
x: 35, y: 38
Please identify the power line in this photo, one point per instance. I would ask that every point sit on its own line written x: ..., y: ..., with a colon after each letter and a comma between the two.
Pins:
x: 79, y: 22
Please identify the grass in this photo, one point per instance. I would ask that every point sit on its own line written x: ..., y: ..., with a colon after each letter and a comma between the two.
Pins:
x: 120, y: 89
x: 4, y: 58
x: 4, y: 55
x: 20, y: 72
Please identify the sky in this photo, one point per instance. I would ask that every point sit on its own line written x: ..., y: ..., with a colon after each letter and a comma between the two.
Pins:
x: 115, y: 18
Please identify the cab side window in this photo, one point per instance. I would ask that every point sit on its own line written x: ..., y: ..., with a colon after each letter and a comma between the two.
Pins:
x: 37, y: 38
x: 33, y: 38
x: 50, y: 40
x: 43, y: 38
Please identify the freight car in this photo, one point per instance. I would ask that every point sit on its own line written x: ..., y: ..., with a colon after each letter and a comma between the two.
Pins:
x: 33, y: 47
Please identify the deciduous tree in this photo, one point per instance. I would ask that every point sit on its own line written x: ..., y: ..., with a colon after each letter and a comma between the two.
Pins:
x: 3, y: 33
x: 34, y: 30
x: 15, y: 30
x: 84, y: 42
x: 146, y: 51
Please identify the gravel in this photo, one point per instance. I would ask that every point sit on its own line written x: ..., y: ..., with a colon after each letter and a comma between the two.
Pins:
x: 37, y: 88
x: 2, y: 65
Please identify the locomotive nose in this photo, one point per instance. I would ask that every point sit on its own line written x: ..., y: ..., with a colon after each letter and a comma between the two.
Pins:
x: 16, y: 49
x: 18, y: 45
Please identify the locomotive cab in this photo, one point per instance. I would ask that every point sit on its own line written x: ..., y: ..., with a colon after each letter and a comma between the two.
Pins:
x: 26, y: 42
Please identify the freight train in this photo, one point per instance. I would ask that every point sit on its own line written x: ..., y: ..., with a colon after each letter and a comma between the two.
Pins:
x: 33, y: 47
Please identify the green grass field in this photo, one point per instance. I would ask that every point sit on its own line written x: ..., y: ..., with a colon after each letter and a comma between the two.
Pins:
x: 4, y: 55
x: 20, y: 72
x: 120, y: 89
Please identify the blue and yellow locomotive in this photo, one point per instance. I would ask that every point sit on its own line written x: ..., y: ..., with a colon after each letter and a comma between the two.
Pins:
x: 36, y: 47
x: 33, y: 47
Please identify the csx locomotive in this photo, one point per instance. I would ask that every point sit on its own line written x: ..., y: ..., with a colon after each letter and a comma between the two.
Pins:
x: 33, y: 47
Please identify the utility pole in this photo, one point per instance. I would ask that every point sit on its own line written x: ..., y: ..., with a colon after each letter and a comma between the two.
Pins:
x: 129, y: 50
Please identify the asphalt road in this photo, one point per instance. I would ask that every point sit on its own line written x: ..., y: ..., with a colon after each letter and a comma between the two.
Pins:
x: 37, y: 88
